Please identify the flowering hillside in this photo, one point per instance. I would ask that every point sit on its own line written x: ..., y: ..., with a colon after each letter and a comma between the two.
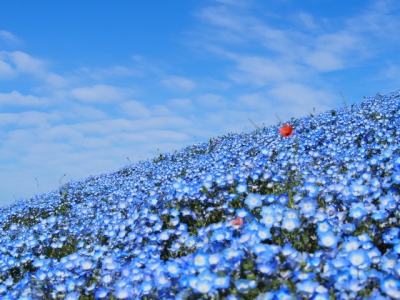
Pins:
x: 307, y: 209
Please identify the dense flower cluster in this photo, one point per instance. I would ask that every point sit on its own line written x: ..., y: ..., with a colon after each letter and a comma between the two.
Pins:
x: 307, y: 211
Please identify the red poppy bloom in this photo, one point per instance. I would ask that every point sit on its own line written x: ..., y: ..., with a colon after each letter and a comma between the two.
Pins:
x: 237, y: 221
x: 216, y: 140
x: 286, y: 130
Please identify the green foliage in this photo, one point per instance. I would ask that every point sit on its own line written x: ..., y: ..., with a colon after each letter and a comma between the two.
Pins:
x: 66, y: 249
x: 160, y: 158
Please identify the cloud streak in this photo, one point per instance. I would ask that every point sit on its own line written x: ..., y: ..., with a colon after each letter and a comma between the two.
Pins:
x: 178, y: 83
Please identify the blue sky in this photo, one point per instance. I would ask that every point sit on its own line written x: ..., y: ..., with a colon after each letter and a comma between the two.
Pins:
x: 86, y: 84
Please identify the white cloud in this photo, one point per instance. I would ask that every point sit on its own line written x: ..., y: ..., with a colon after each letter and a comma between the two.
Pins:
x: 112, y: 72
x: 178, y: 83
x: 26, y: 63
x: 254, y: 101
x: 222, y: 16
x: 378, y: 20
x: 392, y: 72
x: 296, y: 99
x: 161, y: 111
x: 55, y: 80
x: 119, y: 71
x: 215, y: 84
x: 6, y: 71
x: 181, y: 104
x: 313, y: 46
x: 339, y: 42
x: 29, y: 118
x: 135, y: 109
x: 148, y: 136
x: 212, y: 101
x: 340, y: 50
x: 239, y: 3
x: 307, y: 20
x: 9, y: 37
x: 261, y: 71
x: 17, y: 62
x: 99, y: 94
x: 16, y: 99
x: 63, y: 132
x: 282, y: 42
x: 78, y: 112
x: 324, y: 61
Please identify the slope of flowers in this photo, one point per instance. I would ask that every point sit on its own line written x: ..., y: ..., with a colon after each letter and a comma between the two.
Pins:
x: 305, y: 211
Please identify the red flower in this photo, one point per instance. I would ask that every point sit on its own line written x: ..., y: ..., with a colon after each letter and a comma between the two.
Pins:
x: 237, y: 221
x: 286, y: 130
x: 216, y: 140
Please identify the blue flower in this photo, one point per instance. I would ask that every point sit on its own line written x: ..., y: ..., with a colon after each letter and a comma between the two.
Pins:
x: 388, y: 261
x: 271, y: 198
x: 290, y: 224
x: 391, y: 287
x: 268, y: 220
x: 267, y: 210
x: 231, y: 254
x: 391, y: 236
x: 266, y: 152
x: 324, y: 226
x: 101, y: 293
x: 200, y: 260
x: 291, y: 214
x: 242, y: 212
x: 208, y: 177
x: 307, y: 287
x: 145, y: 287
x: 259, y: 248
x: 86, y: 264
x: 106, y: 279
x: 351, y: 243
x: 244, y: 285
x: 152, y: 218
x: 241, y: 188
x: 219, y: 235
x: 60, y: 288
x: 307, y: 207
x: 289, y: 251
x: 388, y: 202
x: 311, y: 189
x: 359, y: 258
x: 283, y: 199
x: 266, y: 268
x: 124, y: 293
x: 348, y: 228
x: 357, y: 211
x: 354, y: 285
x: 328, y: 239
x: 341, y: 278
x: 264, y: 233
x: 190, y: 242
x: 173, y: 269
x: 253, y: 200
x: 358, y: 189
x: 207, y: 275
x: 161, y: 280
x: 203, y: 286
x: 283, y: 293
x: 72, y: 296
x: 380, y: 215
x: 396, y: 177
x: 222, y: 282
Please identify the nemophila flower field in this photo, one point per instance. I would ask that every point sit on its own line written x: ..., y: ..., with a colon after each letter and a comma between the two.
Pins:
x: 307, y: 209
